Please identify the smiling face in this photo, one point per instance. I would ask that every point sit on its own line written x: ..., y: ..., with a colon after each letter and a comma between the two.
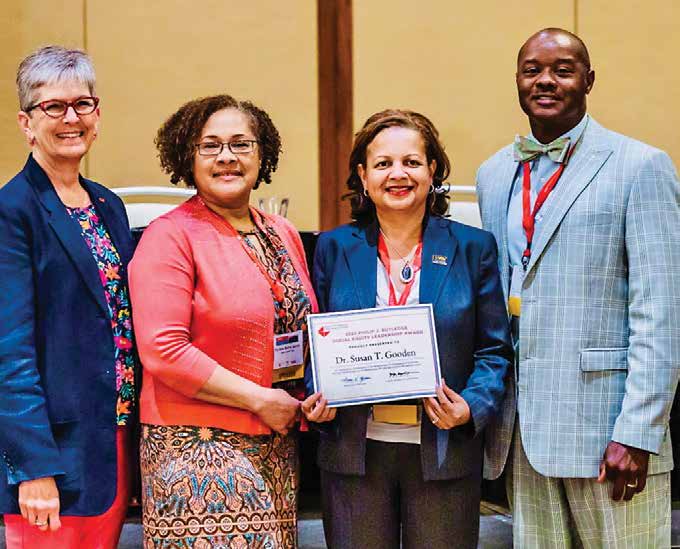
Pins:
x: 225, y: 181
x: 397, y: 176
x: 553, y: 80
x: 63, y: 139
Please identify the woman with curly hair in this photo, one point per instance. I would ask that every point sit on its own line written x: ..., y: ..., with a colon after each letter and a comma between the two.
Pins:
x: 221, y: 292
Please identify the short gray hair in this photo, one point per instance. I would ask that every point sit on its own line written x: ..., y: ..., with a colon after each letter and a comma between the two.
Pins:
x: 49, y: 65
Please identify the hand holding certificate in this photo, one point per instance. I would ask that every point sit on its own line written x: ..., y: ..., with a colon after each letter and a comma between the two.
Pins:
x: 374, y: 355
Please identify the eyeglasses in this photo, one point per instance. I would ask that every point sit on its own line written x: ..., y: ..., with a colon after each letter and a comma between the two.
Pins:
x: 214, y: 148
x: 56, y: 108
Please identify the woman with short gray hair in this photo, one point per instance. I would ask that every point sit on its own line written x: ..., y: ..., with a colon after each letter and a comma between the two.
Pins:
x: 67, y: 361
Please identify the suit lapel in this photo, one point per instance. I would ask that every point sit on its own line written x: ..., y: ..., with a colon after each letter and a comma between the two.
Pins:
x: 118, y: 231
x: 498, y: 220
x: 68, y: 233
x: 361, y: 256
x: 439, y: 251
x: 578, y: 174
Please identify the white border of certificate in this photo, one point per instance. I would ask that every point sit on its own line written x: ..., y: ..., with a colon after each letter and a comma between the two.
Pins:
x: 323, y: 380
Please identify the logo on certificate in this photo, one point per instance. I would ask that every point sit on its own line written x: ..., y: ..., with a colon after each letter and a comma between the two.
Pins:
x: 323, y: 332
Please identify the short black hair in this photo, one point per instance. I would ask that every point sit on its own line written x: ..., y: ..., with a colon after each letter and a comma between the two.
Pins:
x: 583, y: 49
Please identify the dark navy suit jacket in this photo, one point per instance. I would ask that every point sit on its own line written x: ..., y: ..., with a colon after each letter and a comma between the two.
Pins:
x: 472, y: 335
x: 57, y: 376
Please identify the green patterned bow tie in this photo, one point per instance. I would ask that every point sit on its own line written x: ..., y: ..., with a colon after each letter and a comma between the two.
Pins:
x: 528, y: 149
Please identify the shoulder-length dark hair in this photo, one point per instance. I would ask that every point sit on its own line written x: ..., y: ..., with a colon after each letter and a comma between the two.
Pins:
x: 363, y: 209
x: 177, y: 136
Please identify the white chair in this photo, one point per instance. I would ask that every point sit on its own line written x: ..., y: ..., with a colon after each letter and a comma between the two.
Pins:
x: 141, y: 214
x: 464, y: 211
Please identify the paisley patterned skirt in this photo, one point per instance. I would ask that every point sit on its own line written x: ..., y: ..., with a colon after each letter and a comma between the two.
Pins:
x: 207, y: 488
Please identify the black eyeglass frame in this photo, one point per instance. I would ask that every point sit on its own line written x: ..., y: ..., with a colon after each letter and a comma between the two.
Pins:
x: 66, y: 104
x: 228, y: 144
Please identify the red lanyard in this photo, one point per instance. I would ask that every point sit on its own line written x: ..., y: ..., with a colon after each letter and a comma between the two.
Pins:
x: 274, y: 283
x: 385, y: 260
x: 529, y: 215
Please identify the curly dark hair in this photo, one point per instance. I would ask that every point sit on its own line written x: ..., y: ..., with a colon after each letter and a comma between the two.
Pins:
x: 363, y: 208
x: 178, y: 134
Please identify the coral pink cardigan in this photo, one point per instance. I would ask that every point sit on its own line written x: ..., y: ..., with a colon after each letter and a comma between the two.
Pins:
x: 200, y: 303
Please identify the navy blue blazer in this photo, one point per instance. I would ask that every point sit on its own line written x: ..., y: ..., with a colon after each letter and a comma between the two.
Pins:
x: 472, y: 334
x: 57, y: 376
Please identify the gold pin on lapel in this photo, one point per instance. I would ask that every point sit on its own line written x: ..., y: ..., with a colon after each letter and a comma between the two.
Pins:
x: 439, y: 259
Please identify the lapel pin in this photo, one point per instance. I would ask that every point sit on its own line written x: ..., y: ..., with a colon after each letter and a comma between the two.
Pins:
x: 439, y: 259
x: 101, y: 199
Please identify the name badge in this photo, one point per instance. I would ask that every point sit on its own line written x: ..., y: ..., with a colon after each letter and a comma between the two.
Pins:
x: 515, y: 297
x: 397, y: 414
x: 289, y: 356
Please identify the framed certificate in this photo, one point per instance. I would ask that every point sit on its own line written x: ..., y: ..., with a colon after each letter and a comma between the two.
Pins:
x: 374, y: 355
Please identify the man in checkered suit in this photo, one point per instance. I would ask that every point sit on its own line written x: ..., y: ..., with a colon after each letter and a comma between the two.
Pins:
x: 592, y: 274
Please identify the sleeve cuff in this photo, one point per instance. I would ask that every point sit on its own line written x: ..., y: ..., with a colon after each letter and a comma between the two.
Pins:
x: 478, y: 415
x: 644, y: 437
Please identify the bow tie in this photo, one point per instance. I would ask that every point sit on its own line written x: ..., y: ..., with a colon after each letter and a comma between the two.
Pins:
x: 528, y: 149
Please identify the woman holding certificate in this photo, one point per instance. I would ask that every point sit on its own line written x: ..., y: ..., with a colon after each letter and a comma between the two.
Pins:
x: 413, y: 467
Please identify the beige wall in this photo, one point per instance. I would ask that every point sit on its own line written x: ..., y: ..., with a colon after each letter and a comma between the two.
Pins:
x: 454, y: 61
x: 27, y: 25
x: 152, y: 56
x: 634, y: 50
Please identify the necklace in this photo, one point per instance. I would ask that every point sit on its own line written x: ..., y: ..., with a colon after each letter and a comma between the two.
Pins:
x: 407, y: 272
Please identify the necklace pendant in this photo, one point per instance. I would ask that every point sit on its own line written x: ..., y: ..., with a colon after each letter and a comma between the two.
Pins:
x: 406, y: 273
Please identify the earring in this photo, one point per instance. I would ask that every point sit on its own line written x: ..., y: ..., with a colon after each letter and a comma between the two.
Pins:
x: 365, y: 192
x: 432, y: 189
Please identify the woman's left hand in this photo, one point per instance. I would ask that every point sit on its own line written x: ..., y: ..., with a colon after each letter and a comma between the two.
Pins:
x: 448, y: 410
x: 315, y: 409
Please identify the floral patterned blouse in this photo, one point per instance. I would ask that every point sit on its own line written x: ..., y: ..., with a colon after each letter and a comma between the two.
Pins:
x: 290, y: 314
x: 117, y: 298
